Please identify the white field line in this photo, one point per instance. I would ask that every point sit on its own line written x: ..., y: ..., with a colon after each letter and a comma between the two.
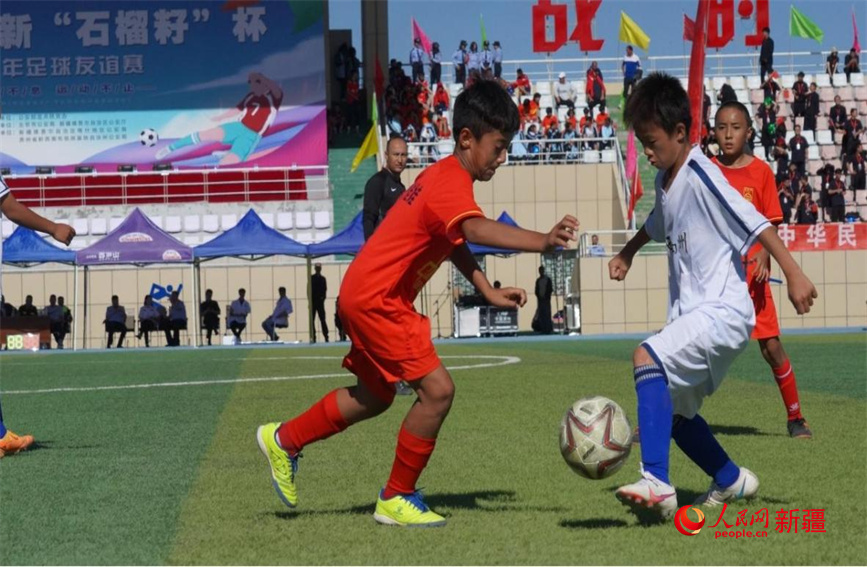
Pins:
x: 501, y: 361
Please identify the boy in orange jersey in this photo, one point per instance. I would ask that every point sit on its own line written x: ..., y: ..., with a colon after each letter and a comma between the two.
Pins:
x: 755, y: 181
x: 432, y: 222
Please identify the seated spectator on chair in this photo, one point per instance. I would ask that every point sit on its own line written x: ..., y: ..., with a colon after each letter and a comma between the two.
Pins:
x: 441, y: 99
x: 831, y: 64
x: 589, y: 132
x: 798, y: 151
x: 148, y: 320
x: 856, y: 169
x: 852, y: 64
x: 177, y: 320
x: 854, y: 129
x: 811, y: 109
x: 28, y: 309
x: 787, y: 199
x: 535, y: 110
x: 564, y: 93
x: 595, y: 248
x: 570, y: 147
x: 237, y: 316
x: 6, y: 309
x: 601, y: 117
x: 571, y: 120
x: 607, y: 131
x: 780, y: 154
x: 57, y: 320
x: 806, y: 209
x: 588, y: 117
x: 550, y: 121
x: 280, y: 317
x: 799, y: 95
x: 771, y: 88
x: 210, y: 315
x: 837, y: 119
x: 521, y: 84
x: 595, y: 88
x: 836, y: 193
x: 115, y: 322
x: 533, y: 148
x: 726, y: 94
x: 442, y: 127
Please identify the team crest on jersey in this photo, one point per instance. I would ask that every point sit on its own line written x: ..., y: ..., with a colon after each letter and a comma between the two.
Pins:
x: 748, y: 194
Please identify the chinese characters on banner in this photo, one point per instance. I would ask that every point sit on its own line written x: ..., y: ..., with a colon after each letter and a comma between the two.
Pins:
x: 829, y: 236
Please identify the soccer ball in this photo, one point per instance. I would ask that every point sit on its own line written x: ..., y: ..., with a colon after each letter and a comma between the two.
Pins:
x: 148, y: 137
x: 595, y: 437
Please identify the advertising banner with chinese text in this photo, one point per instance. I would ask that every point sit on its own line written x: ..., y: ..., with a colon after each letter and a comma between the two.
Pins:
x: 197, y: 84
x: 828, y: 236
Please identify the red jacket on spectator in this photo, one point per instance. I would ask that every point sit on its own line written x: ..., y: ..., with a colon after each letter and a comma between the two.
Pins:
x: 441, y: 98
x: 522, y: 82
x: 351, y: 91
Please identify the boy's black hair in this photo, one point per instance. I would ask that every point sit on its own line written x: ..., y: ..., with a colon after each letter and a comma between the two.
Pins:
x: 658, y: 99
x: 485, y: 107
x: 739, y: 106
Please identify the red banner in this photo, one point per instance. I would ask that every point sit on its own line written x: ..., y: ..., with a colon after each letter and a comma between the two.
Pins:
x: 545, y: 12
x: 822, y: 237
x: 696, y: 70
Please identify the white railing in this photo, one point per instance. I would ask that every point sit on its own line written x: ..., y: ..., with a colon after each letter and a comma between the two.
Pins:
x: 611, y: 242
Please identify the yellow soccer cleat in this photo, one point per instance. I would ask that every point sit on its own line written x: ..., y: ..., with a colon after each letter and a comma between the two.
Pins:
x: 283, y: 467
x: 11, y: 443
x: 407, y: 510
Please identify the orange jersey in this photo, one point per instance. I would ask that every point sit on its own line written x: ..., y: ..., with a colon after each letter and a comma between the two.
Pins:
x: 548, y: 122
x: 420, y: 231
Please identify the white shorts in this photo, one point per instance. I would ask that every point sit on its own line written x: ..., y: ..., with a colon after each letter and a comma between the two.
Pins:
x: 696, y: 350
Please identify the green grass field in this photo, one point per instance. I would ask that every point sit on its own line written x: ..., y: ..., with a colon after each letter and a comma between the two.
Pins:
x: 150, y: 458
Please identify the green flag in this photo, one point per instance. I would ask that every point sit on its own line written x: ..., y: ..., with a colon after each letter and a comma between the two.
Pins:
x: 802, y: 26
x: 482, y: 27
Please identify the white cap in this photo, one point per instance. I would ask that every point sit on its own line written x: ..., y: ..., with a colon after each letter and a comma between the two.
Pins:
x: 562, y: 75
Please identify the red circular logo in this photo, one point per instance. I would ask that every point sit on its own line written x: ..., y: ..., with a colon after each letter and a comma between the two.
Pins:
x: 686, y: 526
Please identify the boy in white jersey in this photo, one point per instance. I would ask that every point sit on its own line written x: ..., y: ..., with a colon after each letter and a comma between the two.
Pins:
x: 707, y: 227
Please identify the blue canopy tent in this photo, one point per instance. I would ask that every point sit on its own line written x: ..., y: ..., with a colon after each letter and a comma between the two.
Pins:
x: 347, y: 241
x: 250, y: 239
x: 481, y: 250
x: 25, y: 248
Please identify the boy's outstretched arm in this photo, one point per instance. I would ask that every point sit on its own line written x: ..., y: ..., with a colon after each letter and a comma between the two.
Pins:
x: 464, y: 261
x: 22, y: 215
x: 801, y: 289
x: 620, y: 264
x: 480, y: 230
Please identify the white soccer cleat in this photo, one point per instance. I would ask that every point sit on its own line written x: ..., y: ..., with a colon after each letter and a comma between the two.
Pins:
x: 746, y: 486
x: 163, y: 153
x: 649, y: 494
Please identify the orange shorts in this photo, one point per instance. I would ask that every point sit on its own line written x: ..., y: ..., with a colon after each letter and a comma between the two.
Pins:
x: 767, y: 325
x: 384, y: 353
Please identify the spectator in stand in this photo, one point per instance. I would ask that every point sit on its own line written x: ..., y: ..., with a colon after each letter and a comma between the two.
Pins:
x: 856, y: 169
x: 554, y: 148
x: 854, y: 129
x: 587, y: 118
x: 486, y: 61
x: 524, y: 110
x: 498, y: 60
x: 28, y: 309
x: 416, y: 60
x: 767, y: 114
x: 837, y: 194
x: 595, y: 86
x: 852, y: 64
x: 521, y: 84
x: 571, y: 120
x: 210, y: 315
x: 588, y: 132
x: 149, y: 320
x: 459, y: 59
x: 595, y: 248
x: 237, y: 316
x: 601, y: 117
x: 280, y: 317
x: 115, y: 322
x: 787, y: 200
x: 474, y: 61
x: 726, y: 94
x: 535, y: 108
x: 798, y: 146
x: 570, y: 134
x: 826, y: 180
x: 533, y: 146
x: 607, y: 131
x: 177, y: 320
x: 799, y: 96
x: 353, y: 103
x: 766, y: 55
x: 831, y: 64
x: 441, y: 98
x: 564, y: 92
x: 436, y: 64
x: 771, y: 88
x: 837, y: 119
x: 340, y: 67
x: 549, y: 121
x: 806, y: 209
x: 631, y: 67
x: 384, y: 188
x: 56, y: 320
x: 780, y: 154
x: 442, y: 127
x: 811, y: 109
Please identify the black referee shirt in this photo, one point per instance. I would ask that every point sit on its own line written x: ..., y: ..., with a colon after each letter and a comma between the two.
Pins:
x: 380, y: 194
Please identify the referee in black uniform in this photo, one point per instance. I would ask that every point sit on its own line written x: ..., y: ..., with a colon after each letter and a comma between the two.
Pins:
x: 384, y: 188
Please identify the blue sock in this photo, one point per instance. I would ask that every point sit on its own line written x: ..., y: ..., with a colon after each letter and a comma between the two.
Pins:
x: 186, y: 141
x: 695, y: 439
x: 2, y: 427
x: 654, y: 419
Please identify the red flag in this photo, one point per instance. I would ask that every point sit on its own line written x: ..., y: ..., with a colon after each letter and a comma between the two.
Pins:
x: 856, y: 45
x: 635, y: 188
x: 378, y: 80
x: 696, y: 71
x: 688, y: 28
x: 418, y: 33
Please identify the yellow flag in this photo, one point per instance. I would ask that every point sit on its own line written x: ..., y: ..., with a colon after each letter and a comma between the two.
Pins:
x: 370, y: 145
x: 631, y: 33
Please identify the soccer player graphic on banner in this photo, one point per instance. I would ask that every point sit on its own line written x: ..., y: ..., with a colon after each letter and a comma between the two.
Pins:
x: 259, y: 107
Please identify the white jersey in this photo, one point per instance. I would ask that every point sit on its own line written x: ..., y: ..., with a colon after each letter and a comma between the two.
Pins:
x: 707, y: 226
x: 238, y: 312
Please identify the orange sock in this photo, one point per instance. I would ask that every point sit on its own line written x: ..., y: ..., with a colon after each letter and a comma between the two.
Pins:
x: 321, y: 421
x: 785, y: 378
x: 410, y: 459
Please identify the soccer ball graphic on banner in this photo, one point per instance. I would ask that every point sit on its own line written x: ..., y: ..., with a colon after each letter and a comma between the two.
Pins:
x: 148, y: 137
x: 595, y: 437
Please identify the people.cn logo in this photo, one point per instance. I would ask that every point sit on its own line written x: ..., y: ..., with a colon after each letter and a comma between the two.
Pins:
x: 172, y: 255
x: 686, y: 526
x: 135, y: 237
